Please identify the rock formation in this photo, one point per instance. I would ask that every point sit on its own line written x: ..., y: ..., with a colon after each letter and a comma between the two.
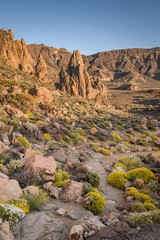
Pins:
x: 41, y: 69
x: 14, y: 52
x: 76, y: 81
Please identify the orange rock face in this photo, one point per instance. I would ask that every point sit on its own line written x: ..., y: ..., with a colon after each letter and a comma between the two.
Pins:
x: 41, y: 69
x: 76, y: 81
x: 14, y: 52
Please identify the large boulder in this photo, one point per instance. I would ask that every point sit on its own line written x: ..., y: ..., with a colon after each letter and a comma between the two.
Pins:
x: 9, y: 188
x: 72, y: 190
x: 76, y: 81
x: 40, y: 225
x: 5, y: 232
x: 40, y: 165
x: 42, y: 95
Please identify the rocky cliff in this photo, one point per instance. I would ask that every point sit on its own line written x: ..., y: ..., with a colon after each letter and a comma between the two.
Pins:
x: 76, y: 81
x: 14, y: 52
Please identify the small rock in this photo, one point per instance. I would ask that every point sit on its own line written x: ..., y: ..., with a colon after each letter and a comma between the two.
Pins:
x: 53, y: 192
x: 138, y: 183
x: 32, y: 190
x: 3, y: 148
x: 93, y: 131
x: 47, y: 185
x: 75, y: 232
x: 61, y: 212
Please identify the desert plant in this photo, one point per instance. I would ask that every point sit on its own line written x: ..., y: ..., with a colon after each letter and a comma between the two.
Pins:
x: 130, y: 162
x: 36, y: 201
x: 93, y: 179
x: 145, y: 217
x: 103, y: 151
x: 97, y: 202
x: 23, y: 141
x: 143, y: 173
x: 47, y: 136
x: 117, y: 179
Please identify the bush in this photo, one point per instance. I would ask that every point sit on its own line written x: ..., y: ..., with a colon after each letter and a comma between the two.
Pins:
x: 93, y: 179
x: 20, y: 203
x: 143, y: 173
x: 23, y: 141
x: 4, y: 158
x: 87, y: 187
x: 27, y: 179
x: 117, y: 179
x: 145, y: 217
x: 11, y: 213
x: 130, y: 162
x: 80, y: 139
x: 97, y: 202
x: 150, y: 206
x: 60, y: 178
x: 14, y: 164
x: 115, y: 136
x: 131, y: 191
x: 79, y: 172
x: 46, y: 136
x: 103, y: 151
x: 137, y: 207
x: 36, y: 201
x: 94, y: 144
x: 23, y: 101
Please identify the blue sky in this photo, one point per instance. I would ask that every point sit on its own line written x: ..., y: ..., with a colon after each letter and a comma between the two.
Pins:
x: 87, y: 25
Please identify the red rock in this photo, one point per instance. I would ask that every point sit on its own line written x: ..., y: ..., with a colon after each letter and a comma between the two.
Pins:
x: 45, y: 166
x: 157, y: 143
x: 72, y: 190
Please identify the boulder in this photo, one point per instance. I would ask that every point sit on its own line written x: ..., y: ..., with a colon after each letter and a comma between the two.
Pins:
x: 3, y: 148
x: 9, y: 188
x: 93, y: 131
x: 75, y: 232
x: 5, y: 232
x: 40, y: 225
x: 40, y: 165
x: 32, y: 190
x: 72, y: 190
x: 41, y: 95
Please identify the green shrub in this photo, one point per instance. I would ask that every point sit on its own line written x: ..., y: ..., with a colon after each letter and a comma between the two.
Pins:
x: 150, y: 206
x: 60, y: 178
x: 4, y: 158
x: 145, y: 217
x: 93, y: 179
x: 94, y: 144
x: 36, y: 201
x: 143, y: 173
x: 103, y: 151
x: 97, y: 202
x: 80, y: 139
x: 14, y: 164
x: 117, y: 179
x: 130, y: 162
x: 87, y: 187
x: 137, y: 207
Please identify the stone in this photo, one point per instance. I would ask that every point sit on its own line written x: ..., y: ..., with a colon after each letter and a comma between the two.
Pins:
x: 6, y: 128
x: 32, y: 190
x: 157, y: 143
x: 42, y: 95
x: 9, y: 188
x: 61, y: 212
x: 60, y: 155
x: 47, y: 185
x: 76, y: 81
x: 94, y: 223
x: 93, y: 131
x: 75, y: 232
x: 41, y: 69
x: 53, y: 192
x: 14, y: 52
x: 36, y: 225
x: 40, y: 165
x: 85, y: 202
x: 4, y: 138
x: 5, y: 232
x: 3, y: 148
x: 74, y: 215
x: 4, y: 170
x: 138, y: 183
x: 72, y: 190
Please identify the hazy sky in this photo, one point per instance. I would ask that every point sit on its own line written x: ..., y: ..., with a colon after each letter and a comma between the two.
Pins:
x: 87, y: 25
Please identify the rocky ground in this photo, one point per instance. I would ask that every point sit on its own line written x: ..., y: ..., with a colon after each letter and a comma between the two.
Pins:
x: 74, y: 165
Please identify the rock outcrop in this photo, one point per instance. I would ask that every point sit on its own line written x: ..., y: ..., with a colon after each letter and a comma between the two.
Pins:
x: 14, y: 52
x: 41, y: 69
x: 76, y: 81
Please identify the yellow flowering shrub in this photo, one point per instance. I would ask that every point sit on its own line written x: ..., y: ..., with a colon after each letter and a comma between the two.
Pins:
x: 103, y: 151
x: 143, y: 173
x: 137, y: 207
x: 80, y: 139
x: 60, y: 178
x: 47, y: 136
x: 145, y: 198
x: 1, y: 165
x: 23, y: 141
x: 97, y: 202
x: 150, y: 206
x: 20, y: 203
x: 132, y: 191
x: 117, y: 179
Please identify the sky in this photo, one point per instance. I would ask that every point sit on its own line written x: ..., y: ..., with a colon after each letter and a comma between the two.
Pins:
x: 90, y: 26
